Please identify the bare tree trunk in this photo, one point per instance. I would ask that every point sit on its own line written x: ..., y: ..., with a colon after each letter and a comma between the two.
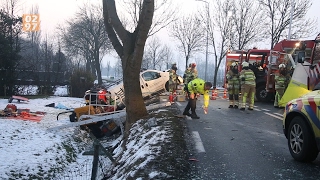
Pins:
x: 97, y: 64
x: 131, y: 52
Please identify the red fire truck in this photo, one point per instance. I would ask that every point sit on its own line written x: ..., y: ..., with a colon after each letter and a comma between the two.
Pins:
x: 264, y: 63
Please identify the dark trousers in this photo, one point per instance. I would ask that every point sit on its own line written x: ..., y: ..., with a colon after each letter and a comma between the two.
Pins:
x: 192, y: 103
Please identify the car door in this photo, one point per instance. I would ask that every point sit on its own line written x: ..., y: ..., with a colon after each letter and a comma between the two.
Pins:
x: 149, y: 83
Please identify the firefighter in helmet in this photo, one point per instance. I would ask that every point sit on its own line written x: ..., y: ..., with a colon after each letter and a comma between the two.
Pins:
x: 233, y: 82
x: 173, y: 78
x: 197, y: 86
x: 248, y: 86
x: 281, y: 81
x: 190, y: 74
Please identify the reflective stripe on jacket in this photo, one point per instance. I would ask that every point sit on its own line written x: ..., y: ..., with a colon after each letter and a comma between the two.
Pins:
x: 172, y: 75
x: 280, y: 81
x: 190, y: 74
x: 249, y: 77
x: 197, y: 86
x: 232, y: 78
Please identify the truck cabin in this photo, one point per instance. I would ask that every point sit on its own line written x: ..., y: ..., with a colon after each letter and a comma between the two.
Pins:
x: 257, y: 59
x: 313, y: 60
x: 295, y: 48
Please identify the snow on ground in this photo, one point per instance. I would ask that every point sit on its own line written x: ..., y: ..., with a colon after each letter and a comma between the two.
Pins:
x: 27, y: 148
x: 29, y: 143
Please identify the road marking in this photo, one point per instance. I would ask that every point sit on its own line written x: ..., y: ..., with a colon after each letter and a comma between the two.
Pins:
x: 257, y: 109
x: 198, y: 142
x: 266, y: 110
x: 273, y: 115
x: 278, y: 114
x: 179, y: 104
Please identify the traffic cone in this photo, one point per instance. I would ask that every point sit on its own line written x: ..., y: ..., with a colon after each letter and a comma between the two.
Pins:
x: 225, y: 94
x: 213, y: 95
x: 216, y: 92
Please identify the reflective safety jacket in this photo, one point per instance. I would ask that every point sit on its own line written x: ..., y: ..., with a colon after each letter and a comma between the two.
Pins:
x: 172, y: 76
x: 197, y: 86
x: 233, y: 79
x: 189, y: 75
x: 247, y: 77
x: 280, y: 81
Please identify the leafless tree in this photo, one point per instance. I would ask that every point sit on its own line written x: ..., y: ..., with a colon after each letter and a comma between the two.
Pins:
x: 247, y: 26
x: 168, y: 56
x: 31, y: 50
x: 190, y: 35
x: 220, y: 31
x: 278, y: 15
x: 130, y: 46
x: 165, y: 13
x: 154, y: 54
x: 85, y: 34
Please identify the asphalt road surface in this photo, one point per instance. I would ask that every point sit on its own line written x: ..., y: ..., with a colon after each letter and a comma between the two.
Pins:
x: 234, y: 144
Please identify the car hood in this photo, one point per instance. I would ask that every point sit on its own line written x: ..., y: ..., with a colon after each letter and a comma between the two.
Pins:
x: 312, y: 94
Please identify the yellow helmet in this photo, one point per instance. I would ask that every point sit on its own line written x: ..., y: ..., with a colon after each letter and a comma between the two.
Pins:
x: 234, y: 64
x: 245, y: 64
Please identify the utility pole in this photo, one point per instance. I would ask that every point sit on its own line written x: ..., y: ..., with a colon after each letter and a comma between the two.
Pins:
x: 291, y: 14
x: 207, y: 39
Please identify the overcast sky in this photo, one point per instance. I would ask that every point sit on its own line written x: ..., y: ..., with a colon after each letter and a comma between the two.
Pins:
x: 54, y: 12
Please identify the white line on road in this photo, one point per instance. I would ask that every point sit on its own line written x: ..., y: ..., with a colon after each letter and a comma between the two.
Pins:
x: 198, y: 142
x: 278, y: 114
x: 179, y: 104
x: 257, y: 109
x: 266, y: 110
x: 273, y: 115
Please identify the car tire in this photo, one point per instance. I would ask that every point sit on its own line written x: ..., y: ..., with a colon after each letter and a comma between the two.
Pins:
x: 301, y: 142
x: 167, y: 86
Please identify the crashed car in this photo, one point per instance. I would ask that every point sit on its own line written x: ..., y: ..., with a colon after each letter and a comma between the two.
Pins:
x: 152, y: 82
x: 301, y: 126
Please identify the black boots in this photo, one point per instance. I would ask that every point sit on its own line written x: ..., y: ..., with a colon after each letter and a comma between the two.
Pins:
x: 193, y: 103
x: 194, y: 116
x: 186, y: 113
x: 186, y: 110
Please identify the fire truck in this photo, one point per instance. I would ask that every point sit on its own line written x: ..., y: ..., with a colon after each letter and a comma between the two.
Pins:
x: 264, y: 63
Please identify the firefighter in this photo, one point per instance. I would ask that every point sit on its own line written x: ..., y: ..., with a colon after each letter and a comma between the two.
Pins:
x: 281, y: 81
x: 197, y: 86
x: 190, y: 74
x: 173, y: 78
x: 233, y: 81
x: 248, y: 86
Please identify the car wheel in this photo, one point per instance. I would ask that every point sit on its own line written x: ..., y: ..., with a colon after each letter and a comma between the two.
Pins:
x: 167, y: 86
x: 301, y: 142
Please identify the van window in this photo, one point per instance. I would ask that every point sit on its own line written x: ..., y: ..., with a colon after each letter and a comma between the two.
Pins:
x: 148, y: 76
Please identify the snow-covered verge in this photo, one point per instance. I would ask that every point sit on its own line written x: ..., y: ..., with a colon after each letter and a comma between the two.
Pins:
x: 29, y: 151
x: 155, y: 152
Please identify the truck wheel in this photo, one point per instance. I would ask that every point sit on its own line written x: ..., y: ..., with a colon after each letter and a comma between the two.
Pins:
x: 262, y: 94
x: 301, y: 143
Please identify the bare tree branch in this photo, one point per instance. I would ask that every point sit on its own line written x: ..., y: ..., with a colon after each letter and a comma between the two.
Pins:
x: 187, y: 31
x: 278, y: 16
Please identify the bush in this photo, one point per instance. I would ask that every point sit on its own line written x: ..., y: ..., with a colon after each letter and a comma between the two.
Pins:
x: 80, y: 81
